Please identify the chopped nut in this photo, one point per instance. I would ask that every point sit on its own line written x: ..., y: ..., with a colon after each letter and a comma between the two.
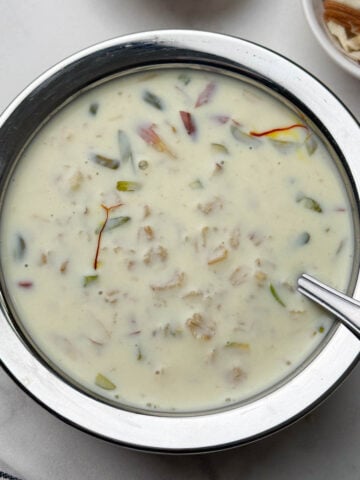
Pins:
x: 200, y: 328
x: 234, y: 240
x: 245, y: 347
x: 219, y: 166
x: 149, y: 232
x: 193, y: 295
x: 211, y: 356
x: 211, y: 206
x: 236, y: 375
x: 219, y: 254
x: 155, y: 254
x: 260, y: 277
x: 266, y: 265
x: 175, y: 282
x: 147, y: 211
x: 131, y: 264
x: 256, y: 238
x: 43, y: 259
x: 239, y: 276
x: 112, y: 296
x: 76, y: 180
x: 63, y: 266
x: 204, y: 236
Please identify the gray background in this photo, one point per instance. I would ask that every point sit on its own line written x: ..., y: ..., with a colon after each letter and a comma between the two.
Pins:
x: 35, y: 34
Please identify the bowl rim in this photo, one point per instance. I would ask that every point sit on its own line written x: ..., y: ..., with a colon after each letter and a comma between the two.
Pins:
x: 248, y: 422
x: 323, y: 37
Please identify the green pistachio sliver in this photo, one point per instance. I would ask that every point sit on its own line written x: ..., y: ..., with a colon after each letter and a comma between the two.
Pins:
x: 244, y: 138
x: 104, y: 383
x: 153, y: 100
x: 340, y: 246
x: 19, y: 247
x: 196, y: 185
x: 106, y: 161
x: 116, y: 222
x: 303, y: 239
x: 93, y: 108
x: 284, y: 146
x: 184, y: 78
x: 87, y: 279
x: 113, y: 223
x: 238, y: 345
x: 126, y: 154
x: 127, y: 186
x: 219, y: 149
x: 276, y: 295
x: 311, y: 144
x: 321, y: 329
x: 139, y: 355
x: 310, y: 203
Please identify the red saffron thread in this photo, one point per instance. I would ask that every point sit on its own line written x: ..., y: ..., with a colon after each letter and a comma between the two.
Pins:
x: 274, y: 130
x: 107, y: 210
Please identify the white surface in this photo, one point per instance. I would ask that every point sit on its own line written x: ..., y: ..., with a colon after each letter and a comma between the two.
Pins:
x: 34, y: 35
x: 314, y: 12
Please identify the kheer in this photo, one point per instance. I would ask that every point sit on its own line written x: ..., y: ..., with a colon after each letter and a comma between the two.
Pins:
x: 153, y: 233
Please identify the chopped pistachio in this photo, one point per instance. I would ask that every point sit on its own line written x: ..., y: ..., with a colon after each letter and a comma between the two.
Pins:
x: 126, y: 154
x: 93, y: 109
x: 87, y: 279
x: 242, y: 137
x: 19, y: 247
x: 106, y: 161
x: 184, y: 78
x: 219, y: 149
x: 139, y: 355
x: 104, y: 383
x: 196, y: 184
x: 310, y: 144
x: 303, y: 239
x: 127, y: 186
x: 309, y: 203
x: 153, y: 100
x: 114, y: 223
x: 276, y: 295
x: 284, y: 146
x: 238, y: 345
x: 321, y: 329
x: 340, y: 246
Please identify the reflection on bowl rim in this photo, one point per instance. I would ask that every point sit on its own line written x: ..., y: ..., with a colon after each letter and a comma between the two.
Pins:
x: 313, y: 14
x: 279, y: 407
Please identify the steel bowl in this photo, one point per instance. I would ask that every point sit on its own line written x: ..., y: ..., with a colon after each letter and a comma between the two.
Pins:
x: 284, y: 402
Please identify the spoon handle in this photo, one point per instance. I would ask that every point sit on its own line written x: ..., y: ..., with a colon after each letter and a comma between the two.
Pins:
x: 345, y: 308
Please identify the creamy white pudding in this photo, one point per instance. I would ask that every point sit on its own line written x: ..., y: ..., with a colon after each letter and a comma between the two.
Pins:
x: 153, y: 233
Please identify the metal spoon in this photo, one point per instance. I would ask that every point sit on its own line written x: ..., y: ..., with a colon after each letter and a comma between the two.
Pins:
x: 345, y: 308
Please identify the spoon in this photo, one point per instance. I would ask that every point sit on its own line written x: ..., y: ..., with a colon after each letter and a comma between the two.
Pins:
x: 345, y: 308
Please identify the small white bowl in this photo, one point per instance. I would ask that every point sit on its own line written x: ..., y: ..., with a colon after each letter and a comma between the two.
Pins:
x: 314, y: 14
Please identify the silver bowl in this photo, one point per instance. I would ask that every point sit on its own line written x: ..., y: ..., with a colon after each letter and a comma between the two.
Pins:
x: 284, y: 402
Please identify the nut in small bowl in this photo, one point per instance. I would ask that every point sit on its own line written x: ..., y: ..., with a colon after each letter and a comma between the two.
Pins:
x: 336, y: 25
